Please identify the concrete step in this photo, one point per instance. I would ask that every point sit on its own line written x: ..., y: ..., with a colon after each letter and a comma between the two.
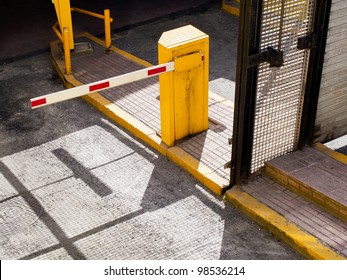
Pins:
x: 306, y: 227
x: 315, y: 173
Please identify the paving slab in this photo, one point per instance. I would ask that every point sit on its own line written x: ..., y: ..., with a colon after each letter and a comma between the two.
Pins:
x: 315, y: 175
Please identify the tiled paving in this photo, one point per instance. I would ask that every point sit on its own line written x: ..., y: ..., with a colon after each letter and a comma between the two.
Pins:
x: 314, y: 175
x: 141, y: 100
x: 211, y: 147
x: 308, y: 216
x: 51, y: 210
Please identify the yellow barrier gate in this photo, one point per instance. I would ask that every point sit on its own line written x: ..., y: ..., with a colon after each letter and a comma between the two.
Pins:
x: 183, y: 82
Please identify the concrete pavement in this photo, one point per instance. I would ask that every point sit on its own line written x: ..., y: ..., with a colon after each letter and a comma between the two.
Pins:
x: 76, y: 168
x: 76, y: 186
x: 125, y: 106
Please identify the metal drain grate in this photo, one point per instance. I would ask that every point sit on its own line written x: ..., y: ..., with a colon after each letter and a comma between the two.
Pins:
x: 279, y: 92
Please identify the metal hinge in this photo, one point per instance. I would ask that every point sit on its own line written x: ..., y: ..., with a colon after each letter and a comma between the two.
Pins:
x: 270, y: 55
x: 307, y: 42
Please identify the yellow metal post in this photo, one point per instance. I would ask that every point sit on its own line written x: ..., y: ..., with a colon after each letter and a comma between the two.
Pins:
x: 184, y: 92
x: 67, y: 55
x: 63, y: 10
x: 107, y: 20
x: 231, y: 7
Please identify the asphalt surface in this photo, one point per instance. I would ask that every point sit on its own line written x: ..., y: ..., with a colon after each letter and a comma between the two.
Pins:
x: 221, y: 27
x: 76, y: 186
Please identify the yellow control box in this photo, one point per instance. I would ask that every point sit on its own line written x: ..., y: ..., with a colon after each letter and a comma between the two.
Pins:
x: 184, y: 92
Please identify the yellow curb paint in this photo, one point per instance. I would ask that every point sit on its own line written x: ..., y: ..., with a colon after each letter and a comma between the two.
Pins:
x: 288, y: 181
x: 293, y: 184
x: 343, y: 212
x: 228, y: 103
x: 306, y: 191
x: 230, y: 9
x: 319, y: 197
x: 335, y: 155
x: 303, y: 242
x: 220, y: 99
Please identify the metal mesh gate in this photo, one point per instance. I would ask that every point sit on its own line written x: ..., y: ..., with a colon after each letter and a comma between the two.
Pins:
x: 280, y: 91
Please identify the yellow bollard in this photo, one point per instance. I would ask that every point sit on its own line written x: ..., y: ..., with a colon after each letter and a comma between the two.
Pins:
x: 107, y: 20
x: 67, y: 55
x: 184, y: 92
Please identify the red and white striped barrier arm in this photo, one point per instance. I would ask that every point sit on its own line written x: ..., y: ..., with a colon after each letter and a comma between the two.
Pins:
x: 101, y: 85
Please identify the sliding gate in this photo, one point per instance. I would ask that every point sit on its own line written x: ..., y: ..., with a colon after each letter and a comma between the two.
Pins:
x: 275, y: 38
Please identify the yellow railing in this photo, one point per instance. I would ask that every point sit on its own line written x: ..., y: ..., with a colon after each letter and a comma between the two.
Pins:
x: 107, y: 22
x: 67, y: 55
x: 65, y: 34
x: 57, y: 32
x: 64, y: 38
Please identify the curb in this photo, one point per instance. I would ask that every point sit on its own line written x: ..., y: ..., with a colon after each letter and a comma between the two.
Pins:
x: 331, y: 153
x: 307, y: 245
x: 231, y: 8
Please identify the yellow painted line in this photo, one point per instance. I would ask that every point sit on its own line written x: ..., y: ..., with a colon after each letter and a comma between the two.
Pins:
x: 331, y: 153
x: 216, y: 97
x: 304, y: 243
x: 230, y: 9
x: 228, y: 103
x: 220, y: 99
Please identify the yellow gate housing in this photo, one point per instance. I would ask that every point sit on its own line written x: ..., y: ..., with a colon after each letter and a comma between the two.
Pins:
x: 184, y: 92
